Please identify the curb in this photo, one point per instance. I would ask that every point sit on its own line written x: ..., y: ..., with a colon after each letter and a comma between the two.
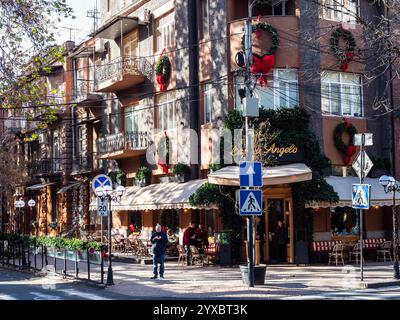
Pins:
x: 374, y: 285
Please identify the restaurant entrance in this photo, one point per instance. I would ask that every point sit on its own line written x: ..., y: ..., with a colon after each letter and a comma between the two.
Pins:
x: 279, y: 236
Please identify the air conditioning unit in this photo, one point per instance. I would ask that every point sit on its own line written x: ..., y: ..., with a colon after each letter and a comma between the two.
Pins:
x: 99, y: 45
x: 43, y: 138
x: 144, y: 17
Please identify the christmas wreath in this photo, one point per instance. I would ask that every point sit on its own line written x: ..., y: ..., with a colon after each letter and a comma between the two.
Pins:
x: 348, y: 150
x: 163, y: 71
x: 345, y: 55
x: 264, y: 63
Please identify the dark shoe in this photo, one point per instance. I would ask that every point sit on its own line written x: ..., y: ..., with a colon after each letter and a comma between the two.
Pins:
x: 161, y: 277
x: 153, y: 277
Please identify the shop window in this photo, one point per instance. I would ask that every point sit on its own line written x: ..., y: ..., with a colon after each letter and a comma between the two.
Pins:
x: 340, y: 10
x: 281, y: 92
x: 344, y: 221
x: 341, y: 94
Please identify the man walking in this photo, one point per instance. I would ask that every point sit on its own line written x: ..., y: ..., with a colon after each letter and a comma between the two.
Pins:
x: 159, y: 240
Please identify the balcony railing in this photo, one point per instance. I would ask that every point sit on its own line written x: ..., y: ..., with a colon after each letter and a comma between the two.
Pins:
x: 120, y: 67
x: 122, y: 141
x: 85, y: 92
x: 46, y: 166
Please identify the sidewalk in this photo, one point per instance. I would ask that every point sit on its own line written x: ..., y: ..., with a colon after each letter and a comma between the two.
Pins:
x: 217, y: 282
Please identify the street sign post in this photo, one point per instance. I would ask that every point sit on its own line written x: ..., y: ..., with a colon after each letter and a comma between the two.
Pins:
x: 368, y: 164
x: 361, y: 195
x: 101, y: 180
x: 250, y: 174
x: 250, y: 202
x: 102, y: 207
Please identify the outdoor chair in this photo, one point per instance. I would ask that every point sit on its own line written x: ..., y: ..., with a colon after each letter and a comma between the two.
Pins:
x: 196, y: 257
x: 182, y: 255
x: 355, y: 253
x: 384, y: 251
x: 142, y: 250
x: 336, y: 254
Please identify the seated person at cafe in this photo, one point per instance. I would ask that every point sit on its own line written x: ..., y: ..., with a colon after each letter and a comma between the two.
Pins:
x: 201, y: 237
x: 172, y: 238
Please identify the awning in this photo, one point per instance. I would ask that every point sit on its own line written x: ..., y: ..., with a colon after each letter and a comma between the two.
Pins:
x: 112, y: 29
x: 67, y: 187
x: 343, y: 187
x: 289, y: 173
x: 170, y: 195
x: 39, y: 186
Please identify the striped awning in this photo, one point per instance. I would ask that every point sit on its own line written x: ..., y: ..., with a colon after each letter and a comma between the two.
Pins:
x: 170, y: 195
x: 39, y: 186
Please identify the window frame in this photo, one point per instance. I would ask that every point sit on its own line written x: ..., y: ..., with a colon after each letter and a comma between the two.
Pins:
x: 332, y: 11
x: 160, y: 30
x: 207, y: 94
x: 341, y: 84
x: 163, y: 110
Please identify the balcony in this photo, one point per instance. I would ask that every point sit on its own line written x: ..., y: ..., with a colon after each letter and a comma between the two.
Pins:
x: 122, y: 73
x: 122, y: 145
x: 17, y: 124
x: 84, y: 164
x: 85, y: 93
x: 45, y: 167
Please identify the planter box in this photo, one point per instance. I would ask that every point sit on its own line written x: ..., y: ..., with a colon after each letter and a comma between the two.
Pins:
x: 259, y: 274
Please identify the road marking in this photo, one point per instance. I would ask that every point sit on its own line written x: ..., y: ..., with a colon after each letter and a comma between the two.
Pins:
x: 89, y: 296
x: 42, y: 296
x: 7, y: 297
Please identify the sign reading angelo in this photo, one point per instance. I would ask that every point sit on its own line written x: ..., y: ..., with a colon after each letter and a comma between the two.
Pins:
x: 285, y: 153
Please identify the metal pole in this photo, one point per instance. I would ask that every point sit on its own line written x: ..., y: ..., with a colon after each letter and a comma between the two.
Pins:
x: 110, y: 280
x: 396, y: 273
x: 249, y: 154
x: 361, y: 211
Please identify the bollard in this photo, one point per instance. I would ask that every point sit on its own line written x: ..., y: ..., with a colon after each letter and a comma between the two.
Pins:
x: 88, y: 263
x: 65, y: 263
x: 76, y: 264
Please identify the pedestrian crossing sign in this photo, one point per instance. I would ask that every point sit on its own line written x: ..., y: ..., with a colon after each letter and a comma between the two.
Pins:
x: 361, y: 194
x: 250, y: 202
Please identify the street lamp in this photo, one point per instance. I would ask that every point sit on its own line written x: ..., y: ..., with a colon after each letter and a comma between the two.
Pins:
x: 31, y: 204
x: 107, y: 193
x: 19, y: 204
x: 389, y: 184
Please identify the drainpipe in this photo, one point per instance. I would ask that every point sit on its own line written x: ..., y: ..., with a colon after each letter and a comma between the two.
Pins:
x: 194, y: 79
x: 74, y: 80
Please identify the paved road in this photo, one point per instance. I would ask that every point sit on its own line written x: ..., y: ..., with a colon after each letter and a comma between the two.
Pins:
x: 20, y: 286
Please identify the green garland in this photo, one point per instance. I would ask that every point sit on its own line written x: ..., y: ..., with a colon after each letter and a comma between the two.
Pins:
x: 340, y: 129
x: 163, y: 67
x: 274, y: 35
x: 346, y: 54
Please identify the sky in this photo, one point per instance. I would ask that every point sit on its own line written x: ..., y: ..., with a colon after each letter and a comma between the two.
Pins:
x: 76, y: 29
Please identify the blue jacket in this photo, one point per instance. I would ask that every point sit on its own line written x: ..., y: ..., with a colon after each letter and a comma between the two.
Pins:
x: 158, y: 245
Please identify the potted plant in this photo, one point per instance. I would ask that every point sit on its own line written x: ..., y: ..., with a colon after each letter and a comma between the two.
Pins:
x: 180, y: 171
x: 143, y: 175
x: 118, y: 177
x: 214, y: 167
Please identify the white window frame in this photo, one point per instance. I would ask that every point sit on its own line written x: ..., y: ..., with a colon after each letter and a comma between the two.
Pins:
x: 328, y: 11
x: 208, y: 103
x: 165, y: 107
x: 165, y: 32
x: 341, y: 84
x: 274, y: 83
x: 132, y: 112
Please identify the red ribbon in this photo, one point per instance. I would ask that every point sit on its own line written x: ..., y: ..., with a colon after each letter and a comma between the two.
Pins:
x: 263, y: 66
x: 159, y: 78
x: 345, y: 63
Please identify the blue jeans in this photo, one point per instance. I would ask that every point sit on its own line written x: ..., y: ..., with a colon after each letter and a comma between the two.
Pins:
x: 158, y: 259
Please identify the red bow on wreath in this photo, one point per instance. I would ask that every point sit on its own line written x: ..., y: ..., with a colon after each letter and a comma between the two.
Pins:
x: 161, y: 163
x: 350, y: 151
x: 161, y: 83
x: 264, y: 66
x: 345, y: 62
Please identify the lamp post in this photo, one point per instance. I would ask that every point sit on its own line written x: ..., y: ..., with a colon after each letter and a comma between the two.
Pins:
x: 31, y: 204
x: 110, y: 194
x: 19, y: 204
x: 389, y: 184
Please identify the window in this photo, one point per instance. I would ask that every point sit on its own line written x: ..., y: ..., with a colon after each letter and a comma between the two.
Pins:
x: 131, y: 45
x: 134, y: 121
x: 208, y: 103
x: 166, y: 111
x: 81, y: 141
x: 56, y: 153
x: 341, y: 94
x: 340, y: 10
x: 344, y: 221
x: 281, y: 92
x: 54, y: 204
x: 165, y: 32
x: 205, y: 12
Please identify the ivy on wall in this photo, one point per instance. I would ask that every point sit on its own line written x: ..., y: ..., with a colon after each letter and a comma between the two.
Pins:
x: 288, y: 126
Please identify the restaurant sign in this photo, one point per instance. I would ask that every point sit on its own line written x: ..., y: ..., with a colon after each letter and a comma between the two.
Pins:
x: 285, y: 153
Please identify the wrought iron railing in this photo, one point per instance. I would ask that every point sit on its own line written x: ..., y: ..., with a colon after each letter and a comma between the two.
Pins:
x: 122, y: 141
x: 83, y: 89
x: 124, y: 66
x: 45, y: 166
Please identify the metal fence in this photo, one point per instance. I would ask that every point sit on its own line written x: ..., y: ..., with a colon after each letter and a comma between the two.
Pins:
x: 78, y: 264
